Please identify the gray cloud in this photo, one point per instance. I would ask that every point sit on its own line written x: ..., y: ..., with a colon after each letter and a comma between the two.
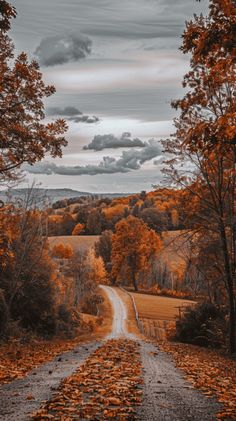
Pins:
x: 72, y: 114
x: 159, y: 160
x: 106, y: 141
x: 129, y: 160
x: 166, y: 29
x: 66, y: 111
x: 60, y: 49
x: 85, y: 119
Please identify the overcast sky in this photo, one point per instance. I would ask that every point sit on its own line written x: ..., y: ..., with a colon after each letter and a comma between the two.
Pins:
x: 116, y: 68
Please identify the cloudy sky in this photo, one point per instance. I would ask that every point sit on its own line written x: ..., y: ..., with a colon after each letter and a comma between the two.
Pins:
x: 116, y: 68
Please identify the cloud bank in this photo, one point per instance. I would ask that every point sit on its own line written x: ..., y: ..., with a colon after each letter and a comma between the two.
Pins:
x: 66, y: 111
x: 62, y: 49
x: 85, y: 119
x: 107, y: 141
x: 72, y: 114
x: 129, y: 160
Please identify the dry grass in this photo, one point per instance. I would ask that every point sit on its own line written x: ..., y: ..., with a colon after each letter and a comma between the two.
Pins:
x: 156, y: 314
x: 159, y: 308
x: 78, y: 243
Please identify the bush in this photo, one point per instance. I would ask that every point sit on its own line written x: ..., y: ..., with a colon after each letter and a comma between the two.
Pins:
x: 91, y: 303
x: 68, y: 321
x: 202, y: 325
x: 34, y: 303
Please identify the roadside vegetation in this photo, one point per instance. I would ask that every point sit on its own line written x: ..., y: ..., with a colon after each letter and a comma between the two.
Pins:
x: 43, y: 291
x: 178, y: 241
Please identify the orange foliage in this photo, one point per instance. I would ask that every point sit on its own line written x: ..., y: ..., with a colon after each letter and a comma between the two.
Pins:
x: 134, y: 246
x: 106, y: 386
x: 79, y: 229
x: 116, y: 210
x: 22, y: 108
x: 62, y: 251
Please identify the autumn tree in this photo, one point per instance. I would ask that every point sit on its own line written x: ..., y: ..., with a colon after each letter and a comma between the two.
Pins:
x: 103, y: 248
x: 204, y: 146
x: 88, y: 271
x: 67, y: 224
x: 78, y: 229
x: 24, y: 137
x: 155, y: 219
x: 27, y: 271
x: 134, y: 246
x: 62, y: 251
x: 94, y: 222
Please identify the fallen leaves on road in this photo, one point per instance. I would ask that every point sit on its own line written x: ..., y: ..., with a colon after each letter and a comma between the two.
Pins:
x: 106, y: 386
x: 209, y: 371
x: 17, y: 359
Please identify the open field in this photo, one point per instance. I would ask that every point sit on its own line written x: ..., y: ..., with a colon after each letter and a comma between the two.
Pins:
x: 159, y: 308
x: 157, y: 314
x: 77, y: 242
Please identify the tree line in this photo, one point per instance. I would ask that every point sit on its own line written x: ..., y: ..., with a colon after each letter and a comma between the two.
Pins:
x: 201, y: 169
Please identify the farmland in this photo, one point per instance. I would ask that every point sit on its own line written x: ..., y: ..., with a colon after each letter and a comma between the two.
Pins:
x: 159, y: 308
x: 157, y: 314
x: 78, y: 243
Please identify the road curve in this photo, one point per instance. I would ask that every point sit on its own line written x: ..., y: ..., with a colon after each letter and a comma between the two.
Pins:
x: 167, y: 396
x: 119, y: 313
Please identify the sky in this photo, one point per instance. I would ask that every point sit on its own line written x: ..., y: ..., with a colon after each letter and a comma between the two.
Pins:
x: 116, y: 66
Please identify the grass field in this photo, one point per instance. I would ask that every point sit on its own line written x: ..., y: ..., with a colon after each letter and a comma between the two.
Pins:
x: 78, y: 243
x: 157, y: 315
x: 159, y: 308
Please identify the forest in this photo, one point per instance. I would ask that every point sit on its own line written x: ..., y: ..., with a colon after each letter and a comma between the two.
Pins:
x: 135, y: 231
x: 177, y: 240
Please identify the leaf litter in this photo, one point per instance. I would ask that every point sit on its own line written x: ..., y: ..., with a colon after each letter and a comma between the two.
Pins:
x: 209, y: 371
x: 17, y: 359
x: 107, y: 386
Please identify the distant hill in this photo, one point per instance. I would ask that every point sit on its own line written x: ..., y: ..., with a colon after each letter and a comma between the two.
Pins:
x: 53, y: 195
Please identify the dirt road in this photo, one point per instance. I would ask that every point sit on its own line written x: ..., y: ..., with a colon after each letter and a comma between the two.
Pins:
x: 22, y: 397
x: 120, y: 315
x: 167, y: 395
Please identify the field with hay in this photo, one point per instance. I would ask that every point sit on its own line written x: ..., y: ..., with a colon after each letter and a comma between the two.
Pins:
x: 77, y: 242
x: 159, y: 308
x: 157, y: 314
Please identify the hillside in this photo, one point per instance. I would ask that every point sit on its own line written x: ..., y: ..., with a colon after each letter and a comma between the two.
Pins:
x: 52, y: 195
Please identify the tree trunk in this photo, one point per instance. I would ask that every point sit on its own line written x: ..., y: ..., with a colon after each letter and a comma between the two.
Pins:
x: 134, y: 282
x: 230, y: 289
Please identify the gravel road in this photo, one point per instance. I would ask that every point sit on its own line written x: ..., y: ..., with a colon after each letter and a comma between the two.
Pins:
x: 22, y: 397
x: 119, y: 315
x: 167, y: 395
